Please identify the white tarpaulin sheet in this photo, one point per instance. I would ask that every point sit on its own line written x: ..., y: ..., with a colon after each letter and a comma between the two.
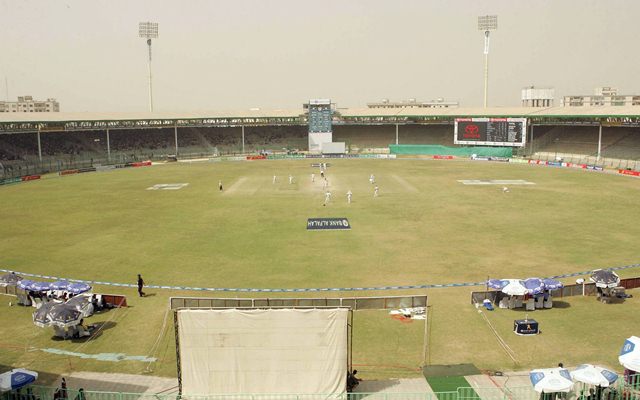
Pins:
x: 263, y: 351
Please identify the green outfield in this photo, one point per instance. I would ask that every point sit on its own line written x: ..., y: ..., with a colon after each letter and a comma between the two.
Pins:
x: 425, y: 227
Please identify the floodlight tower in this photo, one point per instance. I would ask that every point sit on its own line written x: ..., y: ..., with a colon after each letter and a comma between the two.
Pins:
x: 149, y: 30
x: 487, y: 23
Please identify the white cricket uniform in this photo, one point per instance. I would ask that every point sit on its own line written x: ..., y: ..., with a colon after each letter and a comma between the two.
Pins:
x: 290, y: 179
x: 274, y: 179
x: 327, y: 197
x: 372, y: 179
x: 313, y: 177
x: 375, y: 192
x: 349, y: 196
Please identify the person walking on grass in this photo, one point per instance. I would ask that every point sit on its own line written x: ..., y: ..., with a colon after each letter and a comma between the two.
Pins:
x: 327, y: 197
x: 313, y: 177
x: 290, y: 179
x: 274, y: 179
x: 140, y: 285
x: 375, y: 191
x: 220, y: 185
x: 349, y: 197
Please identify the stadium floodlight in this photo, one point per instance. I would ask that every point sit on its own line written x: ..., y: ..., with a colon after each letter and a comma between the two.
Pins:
x: 149, y: 30
x: 487, y: 23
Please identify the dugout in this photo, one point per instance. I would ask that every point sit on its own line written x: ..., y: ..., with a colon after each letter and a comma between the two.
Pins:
x: 302, y: 350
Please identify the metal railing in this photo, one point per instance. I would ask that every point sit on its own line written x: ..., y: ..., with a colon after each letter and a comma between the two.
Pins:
x: 626, y: 388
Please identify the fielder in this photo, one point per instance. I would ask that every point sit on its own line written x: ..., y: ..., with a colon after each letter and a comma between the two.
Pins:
x: 505, y: 189
x: 375, y: 191
x: 327, y: 197
x: 372, y: 179
x: 313, y: 177
x: 220, y: 185
x: 349, y: 197
x: 290, y: 179
x: 325, y: 184
x: 274, y: 179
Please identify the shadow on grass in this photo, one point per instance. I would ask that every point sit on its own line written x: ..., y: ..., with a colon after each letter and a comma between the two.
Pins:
x: 96, y: 332
x: 561, y: 304
x: 374, y: 386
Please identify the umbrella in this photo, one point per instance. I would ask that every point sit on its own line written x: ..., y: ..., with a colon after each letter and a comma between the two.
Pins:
x: 82, y: 303
x: 25, y: 284
x: 594, y: 375
x: 497, y: 284
x: 630, y: 354
x: 41, y: 316
x: 534, y: 285
x: 64, y: 316
x: 60, y: 285
x: 40, y: 286
x: 515, y: 287
x: 604, y: 278
x: 17, y: 378
x: 79, y: 287
x: 552, y: 284
x: 551, y: 380
x: 10, y: 279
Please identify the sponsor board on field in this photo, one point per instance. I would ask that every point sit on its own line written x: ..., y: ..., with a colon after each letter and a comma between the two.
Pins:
x: 319, y: 224
x: 168, y: 186
x: 323, y: 165
x: 629, y: 172
x: 105, y: 167
x: 441, y: 157
x: 495, y: 182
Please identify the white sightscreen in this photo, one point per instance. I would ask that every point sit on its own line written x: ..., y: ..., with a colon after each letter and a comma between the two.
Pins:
x: 263, y: 351
x: 316, y: 139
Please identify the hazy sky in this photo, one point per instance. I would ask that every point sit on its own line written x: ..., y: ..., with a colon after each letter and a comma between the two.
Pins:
x: 238, y: 54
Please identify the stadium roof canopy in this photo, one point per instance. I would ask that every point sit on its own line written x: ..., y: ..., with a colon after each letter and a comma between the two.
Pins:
x: 30, y: 122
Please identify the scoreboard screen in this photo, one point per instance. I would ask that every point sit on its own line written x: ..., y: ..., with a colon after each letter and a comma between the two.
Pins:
x: 491, y: 131
x: 320, y: 116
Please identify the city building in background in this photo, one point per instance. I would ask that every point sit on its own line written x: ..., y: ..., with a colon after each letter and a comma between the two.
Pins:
x: 413, y: 103
x: 603, y: 96
x: 28, y: 104
x: 537, y: 97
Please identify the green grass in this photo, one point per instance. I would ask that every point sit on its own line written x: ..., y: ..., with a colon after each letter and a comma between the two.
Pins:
x: 441, y: 384
x: 424, y: 228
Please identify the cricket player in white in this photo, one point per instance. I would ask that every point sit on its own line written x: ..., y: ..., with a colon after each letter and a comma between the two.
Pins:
x: 325, y: 184
x: 313, y: 177
x: 274, y: 179
x: 290, y: 179
x: 327, y: 197
x: 349, y: 196
x: 372, y: 179
x: 375, y: 191
x: 505, y: 189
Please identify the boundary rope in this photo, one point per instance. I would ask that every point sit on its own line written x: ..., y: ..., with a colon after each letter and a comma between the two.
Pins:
x: 294, y: 290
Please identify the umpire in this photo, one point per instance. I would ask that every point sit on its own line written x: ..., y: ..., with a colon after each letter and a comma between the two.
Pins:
x: 140, y: 285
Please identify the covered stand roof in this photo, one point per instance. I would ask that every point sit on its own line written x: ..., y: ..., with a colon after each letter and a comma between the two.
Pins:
x: 29, y: 122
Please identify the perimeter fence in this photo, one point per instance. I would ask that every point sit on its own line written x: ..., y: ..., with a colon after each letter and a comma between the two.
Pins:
x: 626, y: 388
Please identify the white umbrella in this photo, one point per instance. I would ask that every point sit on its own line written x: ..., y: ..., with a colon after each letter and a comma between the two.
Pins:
x: 630, y: 354
x: 551, y: 380
x: 594, y: 375
x: 515, y: 287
